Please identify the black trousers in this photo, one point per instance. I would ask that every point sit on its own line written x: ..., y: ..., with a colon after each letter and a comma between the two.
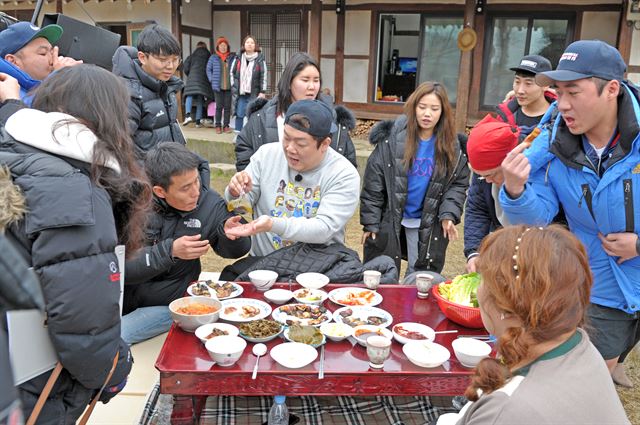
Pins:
x: 223, y: 102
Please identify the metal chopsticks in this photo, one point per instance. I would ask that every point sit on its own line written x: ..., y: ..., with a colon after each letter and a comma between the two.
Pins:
x: 321, y: 371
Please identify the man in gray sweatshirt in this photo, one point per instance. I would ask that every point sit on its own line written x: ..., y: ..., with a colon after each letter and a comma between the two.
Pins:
x: 300, y: 190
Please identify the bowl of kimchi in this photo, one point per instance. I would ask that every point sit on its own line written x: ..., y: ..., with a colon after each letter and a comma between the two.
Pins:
x: 192, y: 312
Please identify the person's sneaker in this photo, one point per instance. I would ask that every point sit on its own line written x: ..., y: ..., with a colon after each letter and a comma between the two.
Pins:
x: 187, y: 120
x: 218, y: 130
x: 198, y: 124
x: 227, y: 129
x: 620, y: 377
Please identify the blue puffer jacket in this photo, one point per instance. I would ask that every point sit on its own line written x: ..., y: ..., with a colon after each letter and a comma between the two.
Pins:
x: 561, y: 174
x: 26, y: 82
x: 215, y: 71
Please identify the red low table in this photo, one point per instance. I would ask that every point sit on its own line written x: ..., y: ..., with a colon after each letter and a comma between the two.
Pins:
x: 187, y: 370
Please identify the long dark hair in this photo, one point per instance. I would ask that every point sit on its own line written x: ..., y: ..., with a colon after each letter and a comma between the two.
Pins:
x: 99, y: 100
x: 444, y: 131
x: 294, y: 66
x: 532, y: 293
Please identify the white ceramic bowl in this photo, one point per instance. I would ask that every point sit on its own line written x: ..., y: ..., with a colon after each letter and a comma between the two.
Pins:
x: 312, y: 280
x: 469, y: 351
x: 190, y: 322
x: 225, y: 350
x: 263, y: 279
x: 362, y: 332
x: 293, y: 355
x: 204, y: 331
x: 402, y: 338
x: 336, y: 331
x: 426, y: 353
x: 278, y: 296
x: 310, y: 296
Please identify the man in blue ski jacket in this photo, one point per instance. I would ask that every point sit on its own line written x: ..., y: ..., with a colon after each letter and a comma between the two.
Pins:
x: 587, y: 159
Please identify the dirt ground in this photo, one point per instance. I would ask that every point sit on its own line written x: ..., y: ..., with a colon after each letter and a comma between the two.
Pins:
x: 454, y: 265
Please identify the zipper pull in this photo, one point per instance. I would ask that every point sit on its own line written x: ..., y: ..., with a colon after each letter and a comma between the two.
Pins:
x: 584, y: 194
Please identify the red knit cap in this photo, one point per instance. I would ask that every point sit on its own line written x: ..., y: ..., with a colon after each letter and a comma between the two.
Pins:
x: 222, y: 40
x: 489, y: 143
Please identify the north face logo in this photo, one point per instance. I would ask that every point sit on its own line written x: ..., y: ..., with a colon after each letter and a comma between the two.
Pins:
x: 193, y: 223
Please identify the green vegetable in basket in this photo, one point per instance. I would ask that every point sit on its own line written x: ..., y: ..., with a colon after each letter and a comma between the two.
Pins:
x: 462, y: 290
x: 305, y: 334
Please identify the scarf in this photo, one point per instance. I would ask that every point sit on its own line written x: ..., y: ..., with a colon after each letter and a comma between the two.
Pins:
x: 246, y: 72
x: 223, y: 56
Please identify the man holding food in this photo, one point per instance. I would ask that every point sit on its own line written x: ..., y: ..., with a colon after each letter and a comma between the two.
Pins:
x: 587, y: 160
x: 300, y: 190
x: 187, y: 219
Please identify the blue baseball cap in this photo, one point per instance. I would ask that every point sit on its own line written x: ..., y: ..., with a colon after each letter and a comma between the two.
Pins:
x: 585, y: 59
x: 18, y: 35
x: 318, y: 113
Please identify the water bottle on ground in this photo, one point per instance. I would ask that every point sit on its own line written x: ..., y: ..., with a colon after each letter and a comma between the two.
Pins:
x: 279, y: 413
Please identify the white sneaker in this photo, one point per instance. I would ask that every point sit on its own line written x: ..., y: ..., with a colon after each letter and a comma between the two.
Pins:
x: 187, y: 120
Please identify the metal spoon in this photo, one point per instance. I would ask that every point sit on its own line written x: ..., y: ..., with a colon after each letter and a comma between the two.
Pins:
x: 258, y: 350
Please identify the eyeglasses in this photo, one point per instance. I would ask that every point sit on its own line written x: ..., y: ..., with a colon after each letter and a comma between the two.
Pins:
x: 164, y: 61
x: 487, y: 176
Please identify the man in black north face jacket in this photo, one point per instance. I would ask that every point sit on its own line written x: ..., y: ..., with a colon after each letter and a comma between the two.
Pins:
x: 187, y: 219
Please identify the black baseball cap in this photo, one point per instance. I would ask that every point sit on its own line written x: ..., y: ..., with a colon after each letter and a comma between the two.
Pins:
x: 319, y: 114
x: 585, y: 59
x: 533, y: 64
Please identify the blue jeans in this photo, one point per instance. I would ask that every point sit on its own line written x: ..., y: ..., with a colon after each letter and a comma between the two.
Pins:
x: 241, y: 110
x: 188, y: 105
x: 144, y: 323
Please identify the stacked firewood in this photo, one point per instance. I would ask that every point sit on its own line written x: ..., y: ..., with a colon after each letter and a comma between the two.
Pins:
x: 361, y: 131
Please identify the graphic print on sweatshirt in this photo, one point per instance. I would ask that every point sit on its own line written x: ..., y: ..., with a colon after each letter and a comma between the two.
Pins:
x: 294, y: 200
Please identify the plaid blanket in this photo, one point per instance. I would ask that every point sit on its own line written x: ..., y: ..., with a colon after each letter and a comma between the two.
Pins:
x: 339, y: 410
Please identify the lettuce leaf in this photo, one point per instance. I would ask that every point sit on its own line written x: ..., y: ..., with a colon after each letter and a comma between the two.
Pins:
x: 462, y: 290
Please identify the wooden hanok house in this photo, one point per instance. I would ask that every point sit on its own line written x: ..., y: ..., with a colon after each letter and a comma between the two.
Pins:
x: 373, y: 53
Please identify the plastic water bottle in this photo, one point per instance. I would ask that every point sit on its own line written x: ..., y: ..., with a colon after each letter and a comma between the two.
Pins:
x: 279, y: 413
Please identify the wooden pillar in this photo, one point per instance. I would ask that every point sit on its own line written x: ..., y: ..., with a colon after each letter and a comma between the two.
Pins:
x: 339, y: 77
x: 315, y: 29
x: 58, y: 6
x: 464, y: 74
x: 176, y: 12
x: 625, y: 34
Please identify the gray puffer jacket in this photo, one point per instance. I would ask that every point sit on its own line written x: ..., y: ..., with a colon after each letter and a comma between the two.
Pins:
x: 68, y: 237
x: 153, y: 107
x: 262, y: 127
x: 384, y: 194
x: 19, y: 290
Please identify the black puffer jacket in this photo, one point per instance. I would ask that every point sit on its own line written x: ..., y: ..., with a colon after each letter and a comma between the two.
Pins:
x: 153, y: 108
x: 195, y: 68
x: 339, y: 263
x: 258, y: 78
x: 262, y: 127
x: 155, y: 277
x: 384, y: 195
x: 68, y: 237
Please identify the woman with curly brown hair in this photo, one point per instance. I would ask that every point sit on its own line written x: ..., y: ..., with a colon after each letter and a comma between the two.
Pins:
x: 533, y: 297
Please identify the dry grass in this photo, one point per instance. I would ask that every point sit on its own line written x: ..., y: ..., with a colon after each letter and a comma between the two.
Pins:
x: 454, y: 265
